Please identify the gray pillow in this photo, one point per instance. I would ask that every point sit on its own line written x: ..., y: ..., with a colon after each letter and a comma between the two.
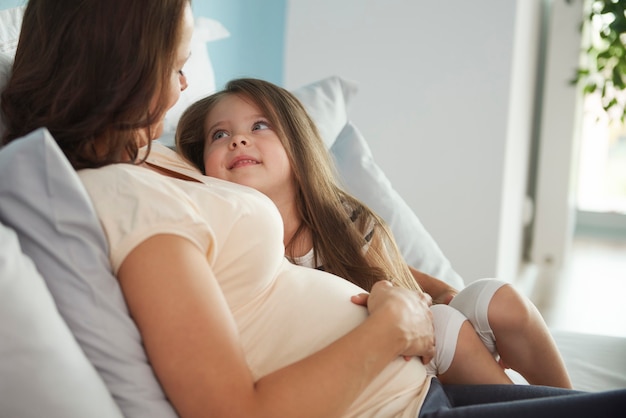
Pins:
x: 43, y: 372
x: 43, y: 200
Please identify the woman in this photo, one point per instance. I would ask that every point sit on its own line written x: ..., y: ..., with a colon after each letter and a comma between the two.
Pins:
x: 194, y: 287
x: 200, y: 261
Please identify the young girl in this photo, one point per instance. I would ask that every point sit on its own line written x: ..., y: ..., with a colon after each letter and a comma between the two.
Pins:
x: 259, y: 135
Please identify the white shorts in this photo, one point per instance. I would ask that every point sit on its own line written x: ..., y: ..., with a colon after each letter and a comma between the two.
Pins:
x: 472, y: 303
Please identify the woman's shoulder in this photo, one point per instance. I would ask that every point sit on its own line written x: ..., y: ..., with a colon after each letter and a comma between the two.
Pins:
x: 134, y: 203
x: 120, y: 179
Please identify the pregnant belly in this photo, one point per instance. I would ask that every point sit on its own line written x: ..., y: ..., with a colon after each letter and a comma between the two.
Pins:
x: 303, y: 311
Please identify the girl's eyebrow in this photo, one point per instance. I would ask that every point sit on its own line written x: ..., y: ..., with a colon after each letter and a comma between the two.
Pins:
x: 253, y: 118
x: 212, y: 127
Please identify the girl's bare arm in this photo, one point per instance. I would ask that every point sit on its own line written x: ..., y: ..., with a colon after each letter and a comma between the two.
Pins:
x: 440, y: 291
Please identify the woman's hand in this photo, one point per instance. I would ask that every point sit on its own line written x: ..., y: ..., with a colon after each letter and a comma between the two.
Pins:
x: 408, y: 316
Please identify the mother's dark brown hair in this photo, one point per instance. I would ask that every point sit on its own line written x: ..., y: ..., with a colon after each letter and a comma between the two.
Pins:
x: 93, y: 73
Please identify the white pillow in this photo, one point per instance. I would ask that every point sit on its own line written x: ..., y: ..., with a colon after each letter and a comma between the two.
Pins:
x: 10, y: 24
x: 199, y: 73
x: 326, y: 101
x: 365, y: 180
x: 43, y: 372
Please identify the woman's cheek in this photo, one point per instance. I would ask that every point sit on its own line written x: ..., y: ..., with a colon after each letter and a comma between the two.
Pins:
x: 174, y: 95
x: 157, y: 130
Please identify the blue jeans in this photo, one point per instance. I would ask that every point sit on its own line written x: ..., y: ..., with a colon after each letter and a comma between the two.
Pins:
x: 512, y: 401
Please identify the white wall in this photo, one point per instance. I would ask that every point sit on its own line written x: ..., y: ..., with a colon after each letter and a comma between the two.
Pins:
x: 436, y: 94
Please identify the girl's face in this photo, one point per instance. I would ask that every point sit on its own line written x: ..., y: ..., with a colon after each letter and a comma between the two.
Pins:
x: 177, y: 81
x: 242, y: 147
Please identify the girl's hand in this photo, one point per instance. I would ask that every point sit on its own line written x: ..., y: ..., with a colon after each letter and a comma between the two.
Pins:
x: 440, y: 291
x: 445, y: 297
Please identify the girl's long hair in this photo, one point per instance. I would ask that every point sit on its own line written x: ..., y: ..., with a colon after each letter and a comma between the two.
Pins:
x: 338, y: 241
x: 89, y: 71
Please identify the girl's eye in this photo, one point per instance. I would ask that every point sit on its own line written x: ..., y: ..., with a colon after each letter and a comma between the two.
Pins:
x: 219, y: 135
x: 260, y: 125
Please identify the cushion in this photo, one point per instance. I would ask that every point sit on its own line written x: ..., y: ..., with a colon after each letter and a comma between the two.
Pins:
x: 10, y: 24
x: 43, y: 200
x: 365, y: 179
x: 44, y: 372
x: 327, y: 101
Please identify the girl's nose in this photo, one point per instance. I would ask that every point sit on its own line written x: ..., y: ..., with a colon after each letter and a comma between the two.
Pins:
x: 237, y: 141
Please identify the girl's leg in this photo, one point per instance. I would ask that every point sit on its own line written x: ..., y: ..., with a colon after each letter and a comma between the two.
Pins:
x: 524, y: 341
x: 510, y: 324
x: 472, y: 363
x: 461, y: 357
x: 512, y: 401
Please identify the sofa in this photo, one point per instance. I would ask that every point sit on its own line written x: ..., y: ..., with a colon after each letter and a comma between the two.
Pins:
x: 68, y: 346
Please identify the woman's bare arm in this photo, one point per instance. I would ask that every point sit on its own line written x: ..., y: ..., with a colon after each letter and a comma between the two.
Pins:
x: 193, y: 343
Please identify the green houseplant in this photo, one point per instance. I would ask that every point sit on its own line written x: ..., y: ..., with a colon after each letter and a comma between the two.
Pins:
x: 603, y: 68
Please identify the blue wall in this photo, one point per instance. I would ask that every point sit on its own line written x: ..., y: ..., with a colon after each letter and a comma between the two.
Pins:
x: 256, y: 44
x: 7, y: 4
